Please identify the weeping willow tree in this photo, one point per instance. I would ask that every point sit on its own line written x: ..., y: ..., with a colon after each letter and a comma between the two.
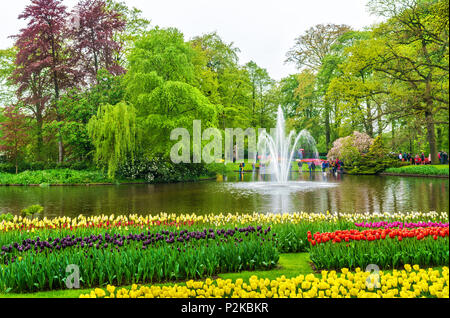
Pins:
x: 114, y: 134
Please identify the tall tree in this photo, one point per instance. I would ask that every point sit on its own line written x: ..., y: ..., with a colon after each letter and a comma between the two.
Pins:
x: 7, y: 88
x: 161, y: 85
x: 261, y: 83
x: 314, y: 45
x: 114, y: 134
x: 14, y: 135
x: 135, y: 26
x: 43, y: 59
x: 94, y: 27
x: 310, y: 51
x: 412, y: 48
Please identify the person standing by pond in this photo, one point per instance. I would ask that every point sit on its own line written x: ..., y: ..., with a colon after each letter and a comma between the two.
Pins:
x: 341, y: 166
x: 300, y: 166
x: 324, y: 166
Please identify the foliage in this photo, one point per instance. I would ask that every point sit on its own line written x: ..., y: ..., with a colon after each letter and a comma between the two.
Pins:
x: 375, y: 161
x: 14, y: 134
x: 61, y: 176
x: 8, y: 217
x: 421, y: 170
x: 158, y: 170
x: 348, y: 146
x: 114, y: 134
x: 93, y: 31
x: 32, y: 210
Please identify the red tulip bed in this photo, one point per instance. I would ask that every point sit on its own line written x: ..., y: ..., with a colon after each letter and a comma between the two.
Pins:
x: 387, y: 248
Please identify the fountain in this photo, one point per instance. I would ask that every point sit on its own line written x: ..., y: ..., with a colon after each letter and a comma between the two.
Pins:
x: 279, y: 150
x: 276, y: 151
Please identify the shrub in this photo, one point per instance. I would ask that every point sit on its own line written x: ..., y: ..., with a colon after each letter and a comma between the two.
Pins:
x: 360, y: 141
x: 375, y: 161
x: 32, y: 210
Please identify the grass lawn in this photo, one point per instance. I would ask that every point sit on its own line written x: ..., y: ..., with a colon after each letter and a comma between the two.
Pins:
x: 431, y: 170
x: 248, y: 167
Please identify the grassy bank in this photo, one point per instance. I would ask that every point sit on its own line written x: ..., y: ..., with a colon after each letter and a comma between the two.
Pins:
x: 55, y: 176
x: 67, y: 177
x: 249, y: 168
x: 425, y: 170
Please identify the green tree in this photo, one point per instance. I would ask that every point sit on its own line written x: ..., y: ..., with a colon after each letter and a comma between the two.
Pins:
x: 310, y: 52
x: 161, y: 85
x: 261, y: 84
x: 114, y: 133
x: 14, y: 134
x: 411, y: 49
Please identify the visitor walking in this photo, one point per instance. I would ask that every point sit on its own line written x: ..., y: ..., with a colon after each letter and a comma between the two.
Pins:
x: 324, y: 166
x: 300, y: 166
x: 334, y: 166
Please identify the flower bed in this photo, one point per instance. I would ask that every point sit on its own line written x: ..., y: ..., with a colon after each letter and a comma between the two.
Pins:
x: 125, y: 249
x: 408, y: 283
x: 40, y: 264
x: 140, y: 221
x: 400, y: 225
x: 387, y: 248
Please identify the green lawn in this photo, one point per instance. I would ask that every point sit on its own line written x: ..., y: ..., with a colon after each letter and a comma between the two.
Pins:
x: 248, y: 167
x: 431, y: 170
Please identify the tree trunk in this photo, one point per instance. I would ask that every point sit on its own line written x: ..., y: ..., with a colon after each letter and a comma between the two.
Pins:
x: 440, y: 137
x: 380, y: 121
x: 393, y: 135
x: 327, y: 127
x: 431, y: 136
x: 369, y: 119
x: 39, y: 136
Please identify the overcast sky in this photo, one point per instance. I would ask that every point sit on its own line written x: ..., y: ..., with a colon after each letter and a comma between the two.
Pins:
x: 263, y: 30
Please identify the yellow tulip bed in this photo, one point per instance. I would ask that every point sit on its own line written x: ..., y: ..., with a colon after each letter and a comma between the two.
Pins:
x: 411, y: 282
x: 183, y: 220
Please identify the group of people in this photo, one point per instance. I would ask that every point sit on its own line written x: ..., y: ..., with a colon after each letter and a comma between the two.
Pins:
x: 443, y: 157
x: 422, y: 159
x: 334, y: 165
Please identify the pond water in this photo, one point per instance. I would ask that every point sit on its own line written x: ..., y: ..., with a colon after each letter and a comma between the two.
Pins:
x: 251, y: 193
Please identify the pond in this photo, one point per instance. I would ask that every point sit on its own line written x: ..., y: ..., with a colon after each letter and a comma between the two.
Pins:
x: 251, y: 193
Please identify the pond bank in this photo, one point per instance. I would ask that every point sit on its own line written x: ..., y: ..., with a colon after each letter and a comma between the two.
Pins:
x: 412, y: 175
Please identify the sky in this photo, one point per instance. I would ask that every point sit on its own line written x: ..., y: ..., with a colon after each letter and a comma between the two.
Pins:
x: 263, y: 30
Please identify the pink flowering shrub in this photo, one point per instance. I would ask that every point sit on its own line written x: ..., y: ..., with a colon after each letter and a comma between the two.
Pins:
x: 350, y: 146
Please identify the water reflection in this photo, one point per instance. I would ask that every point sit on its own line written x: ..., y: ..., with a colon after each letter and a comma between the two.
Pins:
x: 316, y: 192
